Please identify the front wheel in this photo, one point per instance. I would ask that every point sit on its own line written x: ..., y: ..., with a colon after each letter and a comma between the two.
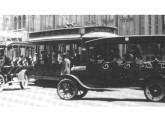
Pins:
x: 2, y: 82
x: 155, y: 91
x: 24, y: 83
x: 67, y: 89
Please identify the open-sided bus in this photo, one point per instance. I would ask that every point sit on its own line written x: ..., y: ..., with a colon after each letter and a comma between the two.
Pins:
x: 126, y: 61
x: 50, y: 42
x: 15, y: 62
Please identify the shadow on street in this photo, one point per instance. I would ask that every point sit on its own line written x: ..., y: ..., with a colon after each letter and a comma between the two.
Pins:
x: 14, y: 89
x: 45, y: 84
x: 115, y: 100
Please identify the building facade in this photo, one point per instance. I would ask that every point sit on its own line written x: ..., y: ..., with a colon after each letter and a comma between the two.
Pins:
x: 35, y: 23
x: 141, y: 25
x: 126, y: 24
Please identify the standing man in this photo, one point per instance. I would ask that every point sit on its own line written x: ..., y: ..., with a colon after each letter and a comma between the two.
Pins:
x: 65, y: 65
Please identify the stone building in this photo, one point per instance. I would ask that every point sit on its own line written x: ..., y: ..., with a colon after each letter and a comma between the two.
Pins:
x: 126, y: 24
x: 141, y: 24
x: 34, y: 23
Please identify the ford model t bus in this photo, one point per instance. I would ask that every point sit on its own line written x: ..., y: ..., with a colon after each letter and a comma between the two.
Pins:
x: 50, y: 43
x: 15, y: 62
x: 126, y: 61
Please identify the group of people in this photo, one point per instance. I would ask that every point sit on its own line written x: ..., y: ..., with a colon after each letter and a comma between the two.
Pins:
x: 132, y: 54
x: 59, y: 62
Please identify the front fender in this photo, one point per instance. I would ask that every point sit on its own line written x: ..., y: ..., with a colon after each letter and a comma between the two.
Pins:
x: 1, y: 73
x: 21, y: 74
x: 76, y: 79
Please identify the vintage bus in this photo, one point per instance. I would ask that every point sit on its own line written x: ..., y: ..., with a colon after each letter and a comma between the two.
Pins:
x: 16, y: 60
x: 123, y: 61
x: 50, y: 43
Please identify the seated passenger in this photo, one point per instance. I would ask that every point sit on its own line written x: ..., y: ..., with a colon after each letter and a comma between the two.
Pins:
x: 100, y: 59
x: 20, y: 61
x: 25, y: 62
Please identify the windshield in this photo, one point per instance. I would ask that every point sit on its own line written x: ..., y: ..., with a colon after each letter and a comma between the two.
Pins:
x: 144, y: 51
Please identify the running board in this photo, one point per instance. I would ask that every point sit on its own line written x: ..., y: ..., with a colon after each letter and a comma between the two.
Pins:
x: 98, y: 89
x: 46, y: 78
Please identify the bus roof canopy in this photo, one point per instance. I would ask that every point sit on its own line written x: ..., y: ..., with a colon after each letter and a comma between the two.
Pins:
x: 56, y: 38
x: 72, y: 33
x: 133, y: 39
x: 99, y: 35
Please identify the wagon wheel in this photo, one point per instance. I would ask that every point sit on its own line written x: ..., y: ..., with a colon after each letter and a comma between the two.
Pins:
x: 2, y: 82
x: 24, y: 82
x: 155, y: 91
x: 67, y: 89
x: 81, y: 92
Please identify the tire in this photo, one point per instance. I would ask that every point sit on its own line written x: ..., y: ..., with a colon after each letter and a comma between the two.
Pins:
x: 81, y: 93
x: 24, y: 83
x: 67, y: 89
x: 155, y: 91
x: 2, y: 82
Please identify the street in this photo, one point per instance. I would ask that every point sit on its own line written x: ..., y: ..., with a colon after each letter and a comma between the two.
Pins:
x: 44, y: 95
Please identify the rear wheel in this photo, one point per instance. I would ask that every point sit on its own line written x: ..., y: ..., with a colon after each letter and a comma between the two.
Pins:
x: 67, y: 89
x: 155, y: 91
x: 2, y: 82
x: 24, y: 83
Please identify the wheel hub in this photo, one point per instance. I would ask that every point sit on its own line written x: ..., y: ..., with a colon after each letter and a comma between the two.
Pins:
x: 155, y: 90
x: 67, y: 89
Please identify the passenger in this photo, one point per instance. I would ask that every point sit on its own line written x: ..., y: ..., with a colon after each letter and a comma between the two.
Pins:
x: 60, y: 60
x: 26, y: 61
x: 132, y: 54
x: 13, y: 68
x: 65, y: 65
x: 19, y: 64
x: 71, y: 57
x: 42, y: 57
x: 54, y: 57
x: 100, y: 59
x: 54, y: 62
x: 2, y: 53
x: 47, y: 61
x: 20, y: 61
x: 76, y: 58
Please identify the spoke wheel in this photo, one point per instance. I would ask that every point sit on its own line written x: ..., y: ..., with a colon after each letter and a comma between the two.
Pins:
x: 24, y: 83
x: 67, y: 89
x: 2, y: 82
x: 155, y: 91
x: 81, y: 93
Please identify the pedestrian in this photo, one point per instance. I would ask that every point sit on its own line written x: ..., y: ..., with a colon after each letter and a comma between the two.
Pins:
x: 65, y: 65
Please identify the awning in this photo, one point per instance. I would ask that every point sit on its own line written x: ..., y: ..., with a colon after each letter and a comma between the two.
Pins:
x: 99, y: 35
x: 59, y: 37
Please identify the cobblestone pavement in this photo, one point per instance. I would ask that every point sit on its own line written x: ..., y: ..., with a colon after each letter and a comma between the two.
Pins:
x: 46, y: 95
